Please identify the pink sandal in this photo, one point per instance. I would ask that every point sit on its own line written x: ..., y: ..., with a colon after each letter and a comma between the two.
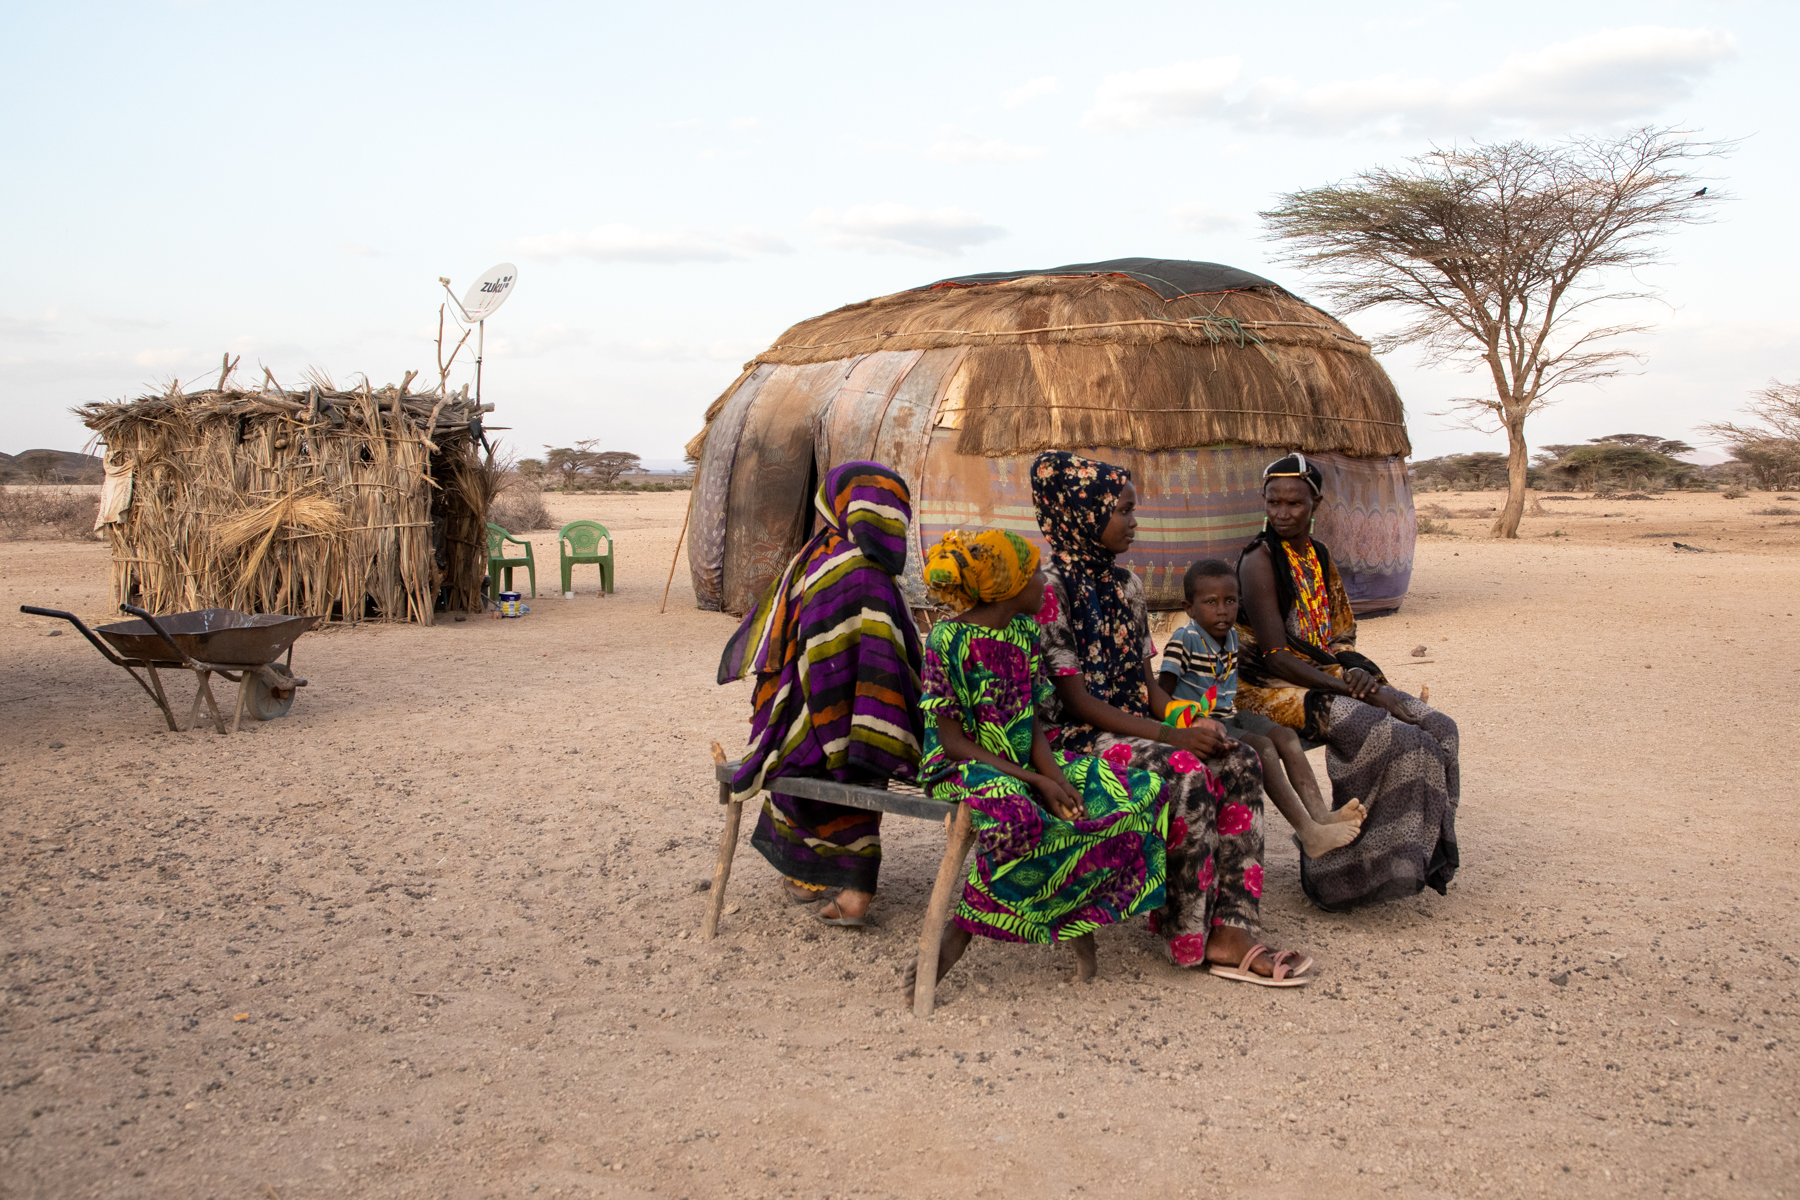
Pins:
x: 1287, y: 972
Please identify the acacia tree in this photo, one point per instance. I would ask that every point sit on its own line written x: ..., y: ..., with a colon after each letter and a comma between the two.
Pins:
x: 1771, y: 444
x: 1496, y: 254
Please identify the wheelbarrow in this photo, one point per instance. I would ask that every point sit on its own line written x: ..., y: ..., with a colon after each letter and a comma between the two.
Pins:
x: 239, y: 647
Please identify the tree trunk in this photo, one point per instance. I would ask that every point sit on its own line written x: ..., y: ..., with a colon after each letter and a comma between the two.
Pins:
x: 1506, y: 525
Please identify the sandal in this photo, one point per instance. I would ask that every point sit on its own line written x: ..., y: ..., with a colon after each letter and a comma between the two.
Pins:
x: 1286, y: 972
x: 843, y: 921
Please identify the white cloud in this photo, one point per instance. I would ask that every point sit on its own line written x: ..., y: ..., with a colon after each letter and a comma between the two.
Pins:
x: 733, y: 350
x: 626, y: 243
x: 160, y: 358
x: 743, y: 122
x: 956, y: 146
x: 1613, y: 75
x: 30, y: 329
x: 1199, y: 218
x: 533, y: 343
x: 358, y: 249
x: 902, y: 229
x: 1025, y: 93
x: 1162, y: 95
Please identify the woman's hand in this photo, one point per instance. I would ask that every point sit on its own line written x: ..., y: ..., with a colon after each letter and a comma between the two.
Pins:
x: 1203, y: 738
x: 1363, y: 686
x: 1394, y: 704
x: 1058, y: 795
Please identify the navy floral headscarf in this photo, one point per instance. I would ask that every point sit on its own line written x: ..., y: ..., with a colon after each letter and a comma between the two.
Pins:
x: 1075, y: 498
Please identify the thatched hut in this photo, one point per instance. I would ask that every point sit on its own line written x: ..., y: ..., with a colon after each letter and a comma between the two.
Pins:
x: 366, y: 504
x: 1192, y: 374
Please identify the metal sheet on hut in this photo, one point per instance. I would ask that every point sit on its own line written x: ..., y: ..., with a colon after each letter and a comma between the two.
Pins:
x: 768, y: 510
x: 712, y: 487
x: 889, y: 426
x: 1192, y: 504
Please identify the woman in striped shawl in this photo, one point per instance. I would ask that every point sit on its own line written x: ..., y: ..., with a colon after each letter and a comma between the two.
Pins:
x: 836, y: 661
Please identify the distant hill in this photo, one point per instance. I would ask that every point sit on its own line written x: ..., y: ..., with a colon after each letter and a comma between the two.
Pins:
x: 52, y: 466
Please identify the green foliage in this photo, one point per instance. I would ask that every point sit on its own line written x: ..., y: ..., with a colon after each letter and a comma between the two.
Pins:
x: 1483, y: 471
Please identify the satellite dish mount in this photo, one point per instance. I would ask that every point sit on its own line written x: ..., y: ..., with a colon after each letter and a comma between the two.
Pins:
x: 484, y: 296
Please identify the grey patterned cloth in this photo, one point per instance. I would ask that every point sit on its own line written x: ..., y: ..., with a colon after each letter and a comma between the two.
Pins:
x: 1409, y: 779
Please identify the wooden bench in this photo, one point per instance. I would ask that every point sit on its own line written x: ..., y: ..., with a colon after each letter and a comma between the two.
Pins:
x: 901, y: 799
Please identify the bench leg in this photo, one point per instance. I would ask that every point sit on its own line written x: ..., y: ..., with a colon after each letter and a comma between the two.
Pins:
x: 943, y: 895
x: 734, y: 814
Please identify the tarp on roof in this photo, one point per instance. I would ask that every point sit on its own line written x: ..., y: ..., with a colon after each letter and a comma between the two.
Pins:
x: 1170, y: 278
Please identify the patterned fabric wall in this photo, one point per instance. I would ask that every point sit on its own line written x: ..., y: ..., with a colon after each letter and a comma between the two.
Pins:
x: 749, y: 500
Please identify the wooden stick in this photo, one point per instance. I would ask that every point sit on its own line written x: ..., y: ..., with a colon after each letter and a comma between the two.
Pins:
x: 677, y: 558
x: 931, y: 937
x: 734, y: 813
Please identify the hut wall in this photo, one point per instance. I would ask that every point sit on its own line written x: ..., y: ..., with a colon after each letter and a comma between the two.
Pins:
x: 784, y: 426
x: 1192, y: 504
x: 264, y: 503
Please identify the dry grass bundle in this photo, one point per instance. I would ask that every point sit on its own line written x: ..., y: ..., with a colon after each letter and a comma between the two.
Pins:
x: 1105, y: 361
x: 360, y: 504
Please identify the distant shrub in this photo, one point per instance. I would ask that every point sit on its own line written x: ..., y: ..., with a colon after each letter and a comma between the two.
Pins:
x: 48, y: 514
x: 1734, y: 493
x: 519, y: 510
x: 1777, y: 511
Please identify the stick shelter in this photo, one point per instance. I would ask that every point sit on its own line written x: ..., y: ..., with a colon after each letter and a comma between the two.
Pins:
x: 1192, y: 374
x: 367, y: 504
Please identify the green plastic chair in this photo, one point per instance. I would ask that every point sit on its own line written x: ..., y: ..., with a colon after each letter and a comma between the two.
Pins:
x: 498, y: 562
x: 581, y: 542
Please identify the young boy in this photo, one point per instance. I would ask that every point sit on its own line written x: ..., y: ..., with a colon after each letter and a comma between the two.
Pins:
x: 1202, y: 656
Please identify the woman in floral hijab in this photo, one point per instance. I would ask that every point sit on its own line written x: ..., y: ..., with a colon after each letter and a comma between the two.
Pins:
x: 1096, y: 637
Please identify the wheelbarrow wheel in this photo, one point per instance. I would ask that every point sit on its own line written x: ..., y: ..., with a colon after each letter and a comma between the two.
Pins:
x: 268, y: 702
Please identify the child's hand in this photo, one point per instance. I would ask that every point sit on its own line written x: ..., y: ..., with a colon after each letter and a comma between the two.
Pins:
x: 1203, y: 738
x: 1059, y: 796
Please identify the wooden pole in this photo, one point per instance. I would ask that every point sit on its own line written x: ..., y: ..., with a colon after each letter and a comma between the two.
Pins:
x: 678, y: 540
x: 943, y: 892
x: 734, y: 813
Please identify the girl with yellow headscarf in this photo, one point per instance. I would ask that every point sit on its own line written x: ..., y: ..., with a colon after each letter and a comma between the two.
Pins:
x: 1063, y: 846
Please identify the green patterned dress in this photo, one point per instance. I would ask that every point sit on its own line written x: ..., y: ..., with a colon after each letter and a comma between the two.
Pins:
x: 1036, y: 877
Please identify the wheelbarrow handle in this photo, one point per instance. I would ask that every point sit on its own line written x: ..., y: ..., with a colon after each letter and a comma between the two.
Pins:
x: 162, y: 633
x: 74, y: 620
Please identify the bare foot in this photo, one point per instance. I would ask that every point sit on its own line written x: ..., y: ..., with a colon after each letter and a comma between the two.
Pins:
x: 1087, y: 959
x: 955, y: 942
x: 848, y: 904
x: 1353, y: 811
x: 1319, y: 839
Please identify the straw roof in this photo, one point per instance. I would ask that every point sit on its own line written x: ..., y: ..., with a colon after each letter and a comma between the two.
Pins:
x: 1104, y: 360
x: 349, y: 504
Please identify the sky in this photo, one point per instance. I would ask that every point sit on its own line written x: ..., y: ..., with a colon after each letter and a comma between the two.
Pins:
x: 679, y: 183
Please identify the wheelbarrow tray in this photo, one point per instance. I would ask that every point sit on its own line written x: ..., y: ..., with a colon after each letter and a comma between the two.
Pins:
x: 210, y: 635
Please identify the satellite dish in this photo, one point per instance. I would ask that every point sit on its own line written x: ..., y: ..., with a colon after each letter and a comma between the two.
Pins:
x: 489, y: 292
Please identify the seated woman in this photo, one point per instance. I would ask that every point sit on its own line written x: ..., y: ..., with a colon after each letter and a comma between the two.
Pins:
x: 1063, y: 846
x: 836, y: 659
x: 1298, y: 666
x: 1106, y: 701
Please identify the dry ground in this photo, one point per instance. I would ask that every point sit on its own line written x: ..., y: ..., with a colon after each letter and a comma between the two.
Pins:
x: 434, y: 934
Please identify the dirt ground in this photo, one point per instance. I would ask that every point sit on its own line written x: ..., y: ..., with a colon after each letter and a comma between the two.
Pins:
x: 436, y: 932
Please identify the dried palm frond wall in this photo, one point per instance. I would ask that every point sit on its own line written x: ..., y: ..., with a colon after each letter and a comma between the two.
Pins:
x: 352, y: 505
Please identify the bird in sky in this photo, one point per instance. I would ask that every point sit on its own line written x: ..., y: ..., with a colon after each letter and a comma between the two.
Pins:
x: 1701, y: 192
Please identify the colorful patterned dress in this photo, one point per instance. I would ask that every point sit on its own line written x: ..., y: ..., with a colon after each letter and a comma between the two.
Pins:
x: 1096, y: 625
x: 1036, y: 877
